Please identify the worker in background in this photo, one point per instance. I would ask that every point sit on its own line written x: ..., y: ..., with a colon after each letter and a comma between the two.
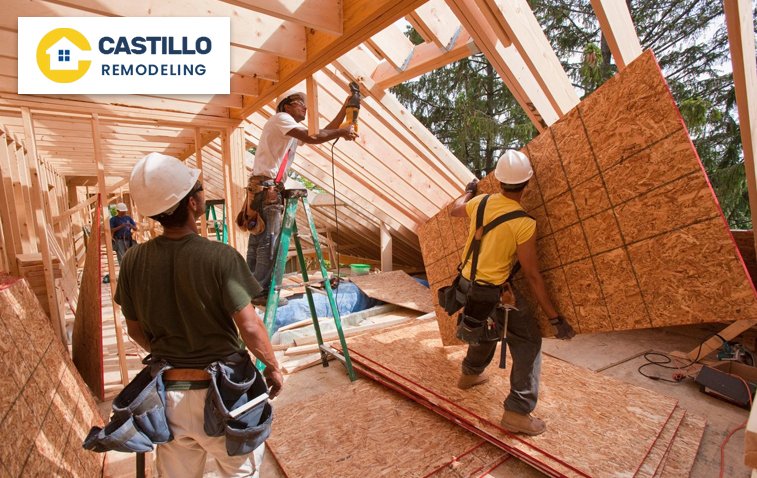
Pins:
x: 121, y: 226
x: 275, y: 153
x: 184, y: 297
x: 500, y: 248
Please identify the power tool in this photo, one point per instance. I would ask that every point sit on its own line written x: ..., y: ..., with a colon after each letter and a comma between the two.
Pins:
x: 353, y: 106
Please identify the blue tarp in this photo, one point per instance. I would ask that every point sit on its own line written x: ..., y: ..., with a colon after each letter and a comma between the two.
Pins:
x: 348, y: 298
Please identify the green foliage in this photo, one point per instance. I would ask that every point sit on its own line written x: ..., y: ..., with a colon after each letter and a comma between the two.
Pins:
x: 472, y: 112
x: 310, y: 185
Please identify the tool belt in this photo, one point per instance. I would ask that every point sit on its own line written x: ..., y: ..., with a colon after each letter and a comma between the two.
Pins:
x: 233, y: 383
x: 248, y: 218
x: 139, y: 419
x: 452, y: 298
x: 139, y: 416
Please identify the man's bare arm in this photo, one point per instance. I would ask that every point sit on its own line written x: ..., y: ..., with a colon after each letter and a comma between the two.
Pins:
x: 530, y: 263
x: 255, y: 336
x: 137, y: 334
x: 339, y: 118
x: 324, y: 135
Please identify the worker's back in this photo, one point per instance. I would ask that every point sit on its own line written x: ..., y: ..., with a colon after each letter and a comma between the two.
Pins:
x: 183, y: 292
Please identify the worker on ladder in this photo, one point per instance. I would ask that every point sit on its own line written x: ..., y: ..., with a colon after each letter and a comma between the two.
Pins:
x: 184, y: 298
x: 261, y: 214
x: 493, y: 309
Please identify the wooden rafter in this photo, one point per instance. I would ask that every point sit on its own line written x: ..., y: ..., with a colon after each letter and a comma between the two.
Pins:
x: 617, y: 28
x: 321, y: 15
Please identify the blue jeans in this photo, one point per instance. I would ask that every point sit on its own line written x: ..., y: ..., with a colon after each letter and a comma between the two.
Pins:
x: 121, y: 244
x: 524, y: 340
x: 259, y: 246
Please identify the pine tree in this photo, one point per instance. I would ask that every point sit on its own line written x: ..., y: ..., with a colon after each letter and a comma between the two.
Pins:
x: 471, y: 111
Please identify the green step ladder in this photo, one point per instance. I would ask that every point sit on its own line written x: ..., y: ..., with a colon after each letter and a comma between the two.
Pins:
x: 288, y: 231
x: 210, y: 208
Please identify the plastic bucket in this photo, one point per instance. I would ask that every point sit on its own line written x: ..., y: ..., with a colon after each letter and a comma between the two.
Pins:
x: 359, y: 269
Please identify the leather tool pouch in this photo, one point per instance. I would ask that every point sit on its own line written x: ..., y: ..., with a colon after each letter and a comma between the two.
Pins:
x: 139, y: 416
x: 233, y: 383
x: 450, y: 297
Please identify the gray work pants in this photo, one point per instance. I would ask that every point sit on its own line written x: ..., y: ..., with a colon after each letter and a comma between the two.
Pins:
x: 259, y: 246
x: 524, y: 341
x: 120, y: 245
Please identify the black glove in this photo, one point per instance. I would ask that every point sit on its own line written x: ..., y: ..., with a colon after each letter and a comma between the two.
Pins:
x: 472, y: 187
x: 561, y: 328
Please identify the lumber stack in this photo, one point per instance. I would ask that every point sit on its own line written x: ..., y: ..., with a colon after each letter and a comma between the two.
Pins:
x: 625, y: 430
x: 30, y: 268
x: 45, y: 408
x: 628, y: 227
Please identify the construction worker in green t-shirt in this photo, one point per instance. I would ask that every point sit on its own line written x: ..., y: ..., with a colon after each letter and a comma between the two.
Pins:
x: 184, y: 297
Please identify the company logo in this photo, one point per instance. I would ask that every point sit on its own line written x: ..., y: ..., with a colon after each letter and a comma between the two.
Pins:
x: 60, y: 55
x: 123, y: 55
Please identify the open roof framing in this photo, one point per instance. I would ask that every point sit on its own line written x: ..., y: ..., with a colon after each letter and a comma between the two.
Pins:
x: 397, y: 174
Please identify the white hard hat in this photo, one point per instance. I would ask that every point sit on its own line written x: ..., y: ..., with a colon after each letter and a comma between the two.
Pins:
x: 158, y: 183
x: 121, y: 207
x: 513, y: 167
x: 287, y: 95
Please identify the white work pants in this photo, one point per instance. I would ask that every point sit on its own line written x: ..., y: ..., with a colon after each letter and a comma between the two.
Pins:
x: 186, y: 454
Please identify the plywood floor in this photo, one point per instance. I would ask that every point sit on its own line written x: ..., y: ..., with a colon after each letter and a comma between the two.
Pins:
x: 618, y: 423
x: 629, y: 230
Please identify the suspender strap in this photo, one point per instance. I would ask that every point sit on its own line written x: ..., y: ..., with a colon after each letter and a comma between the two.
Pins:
x: 475, y: 245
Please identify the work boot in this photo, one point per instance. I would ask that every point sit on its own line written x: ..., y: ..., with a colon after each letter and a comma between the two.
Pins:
x: 468, y: 381
x: 520, y: 423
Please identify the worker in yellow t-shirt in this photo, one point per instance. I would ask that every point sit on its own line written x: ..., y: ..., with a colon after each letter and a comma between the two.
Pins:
x: 500, y: 248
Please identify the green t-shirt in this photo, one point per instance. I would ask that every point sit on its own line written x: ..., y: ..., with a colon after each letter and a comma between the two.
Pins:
x: 183, y: 292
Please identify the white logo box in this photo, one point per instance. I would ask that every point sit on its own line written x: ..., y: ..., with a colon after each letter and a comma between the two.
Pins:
x: 177, y: 71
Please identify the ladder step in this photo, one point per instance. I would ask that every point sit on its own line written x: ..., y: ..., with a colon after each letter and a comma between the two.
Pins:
x: 306, y: 284
x: 333, y: 353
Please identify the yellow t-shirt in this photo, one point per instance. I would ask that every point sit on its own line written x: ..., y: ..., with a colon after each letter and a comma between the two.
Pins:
x: 498, y: 246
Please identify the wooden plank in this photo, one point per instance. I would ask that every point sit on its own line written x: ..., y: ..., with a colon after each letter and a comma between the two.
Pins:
x: 199, y: 165
x: 392, y: 45
x: 362, y: 440
x: 362, y: 19
x: 684, y: 450
x: 25, y: 182
x: 513, y: 20
x: 109, y: 253
x: 739, y: 20
x: 87, y: 340
x: 617, y: 27
x: 653, y: 462
x: 436, y: 18
x: 623, y: 154
x: 312, y: 93
x: 395, y: 288
x: 386, y: 249
x: 322, y: 15
x: 350, y: 331
x: 56, y: 316
x: 509, y: 64
x: 88, y: 202
x: 426, y: 57
x: 616, y: 431
x: 11, y: 233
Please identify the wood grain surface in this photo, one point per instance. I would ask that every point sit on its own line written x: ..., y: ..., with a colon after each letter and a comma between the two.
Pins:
x: 630, y: 234
x: 45, y: 408
x: 397, y: 288
x: 618, y: 423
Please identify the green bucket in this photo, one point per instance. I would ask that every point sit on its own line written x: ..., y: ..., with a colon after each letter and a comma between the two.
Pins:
x: 359, y: 269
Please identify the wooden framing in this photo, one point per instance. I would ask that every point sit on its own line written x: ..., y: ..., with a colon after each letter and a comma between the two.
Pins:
x: 436, y: 23
x: 109, y: 252
x: 739, y: 20
x: 513, y: 20
x: 199, y: 165
x: 392, y: 44
x: 39, y: 216
x: 617, y: 27
x: 386, y: 248
x: 312, y: 92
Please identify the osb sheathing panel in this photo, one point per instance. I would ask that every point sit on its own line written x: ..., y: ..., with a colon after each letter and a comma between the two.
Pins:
x: 685, y: 446
x: 363, y: 429
x: 745, y: 243
x: 45, y: 407
x: 396, y: 288
x: 630, y: 234
x: 617, y: 423
x: 87, y: 347
x: 653, y: 461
